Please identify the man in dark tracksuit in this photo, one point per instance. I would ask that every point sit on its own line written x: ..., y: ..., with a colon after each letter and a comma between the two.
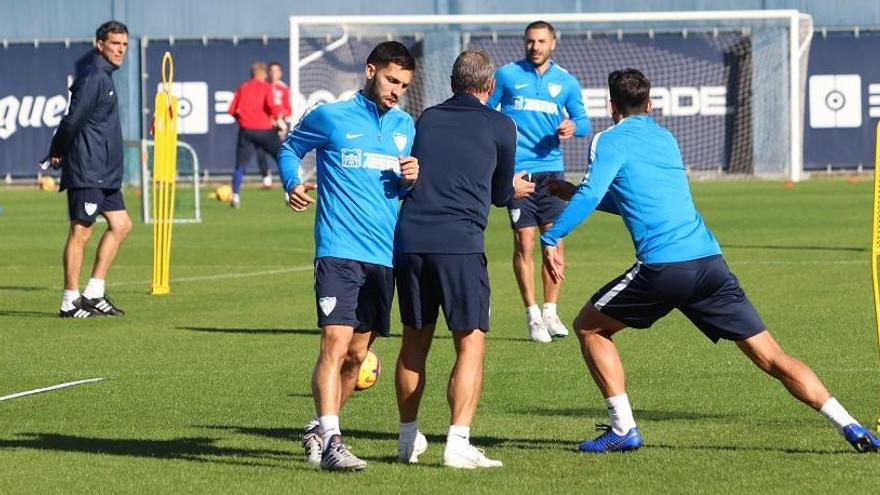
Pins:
x: 88, y: 148
x: 466, y: 155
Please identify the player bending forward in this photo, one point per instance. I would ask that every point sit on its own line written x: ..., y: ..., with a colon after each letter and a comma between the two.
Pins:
x: 362, y: 145
x: 636, y: 171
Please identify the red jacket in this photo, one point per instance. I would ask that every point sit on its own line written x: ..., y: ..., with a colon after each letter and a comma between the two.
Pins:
x: 253, y: 105
x: 281, y: 98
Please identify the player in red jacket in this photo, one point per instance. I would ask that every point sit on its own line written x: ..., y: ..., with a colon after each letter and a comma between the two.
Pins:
x: 281, y: 98
x: 256, y: 113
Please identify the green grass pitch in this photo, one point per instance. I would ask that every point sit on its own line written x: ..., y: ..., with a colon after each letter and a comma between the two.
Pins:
x: 207, y: 388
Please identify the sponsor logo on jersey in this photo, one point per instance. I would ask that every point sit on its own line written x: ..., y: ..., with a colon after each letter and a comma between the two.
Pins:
x: 535, y: 105
x: 351, y: 158
x: 554, y: 89
x: 400, y: 141
x: 327, y: 305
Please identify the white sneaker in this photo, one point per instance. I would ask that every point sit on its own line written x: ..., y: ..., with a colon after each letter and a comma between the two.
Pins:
x: 538, y: 331
x: 468, y: 457
x: 267, y: 182
x: 555, y: 326
x: 236, y: 201
x: 409, y: 450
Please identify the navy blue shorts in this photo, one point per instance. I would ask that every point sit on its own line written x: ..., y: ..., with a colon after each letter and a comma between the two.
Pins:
x: 86, y: 204
x: 541, y: 208
x: 459, y: 283
x: 354, y: 294
x: 251, y: 140
x: 704, y: 290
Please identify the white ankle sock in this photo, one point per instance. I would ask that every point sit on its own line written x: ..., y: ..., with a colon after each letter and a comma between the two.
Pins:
x: 836, y: 414
x: 67, y: 298
x: 534, y: 312
x: 329, y: 427
x: 549, y: 310
x: 94, y: 289
x: 409, y: 430
x: 458, y: 437
x: 620, y: 413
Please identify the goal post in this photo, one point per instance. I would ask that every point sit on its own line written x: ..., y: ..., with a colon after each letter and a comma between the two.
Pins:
x: 728, y: 84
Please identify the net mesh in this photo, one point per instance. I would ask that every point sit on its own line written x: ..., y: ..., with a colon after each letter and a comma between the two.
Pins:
x: 722, y: 88
x: 186, y: 197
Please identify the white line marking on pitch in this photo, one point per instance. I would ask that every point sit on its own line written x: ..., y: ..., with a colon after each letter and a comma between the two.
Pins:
x: 221, y: 276
x: 49, y: 389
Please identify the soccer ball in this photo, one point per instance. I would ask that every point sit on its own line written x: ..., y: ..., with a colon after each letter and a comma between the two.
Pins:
x: 47, y: 183
x: 223, y: 193
x: 369, y: 373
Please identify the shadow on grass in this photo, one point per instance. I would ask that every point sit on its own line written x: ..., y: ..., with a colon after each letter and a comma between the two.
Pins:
x: 742, y: 448
x: 797, y: 248
x: 602, y: 413
x: 30, y: 314
x: 196, y: 449
x: 295, y: 434
x: 23, y: 288
x: 255, y: 331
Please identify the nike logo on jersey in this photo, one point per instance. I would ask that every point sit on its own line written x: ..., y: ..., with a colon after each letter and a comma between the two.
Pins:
x: 350, y: 135
x: 520, y: 86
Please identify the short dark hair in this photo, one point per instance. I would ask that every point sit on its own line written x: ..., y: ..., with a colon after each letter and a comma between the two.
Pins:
x: 391, y: 52
x: 472, y: 71
x: 108, y: 27
x: 630, y: 90
x: 273, y: 64
x: 541, y: 25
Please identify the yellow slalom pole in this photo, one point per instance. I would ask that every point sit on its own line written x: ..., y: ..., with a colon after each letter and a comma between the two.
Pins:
x: 875, y: 241
x: 164, y: 177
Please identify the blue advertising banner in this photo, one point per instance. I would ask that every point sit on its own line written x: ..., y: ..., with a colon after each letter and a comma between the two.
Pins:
x: 33, y: 99
x: 843, y: 100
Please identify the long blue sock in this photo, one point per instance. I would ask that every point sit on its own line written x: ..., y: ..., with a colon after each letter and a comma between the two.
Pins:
x: 237, y: 178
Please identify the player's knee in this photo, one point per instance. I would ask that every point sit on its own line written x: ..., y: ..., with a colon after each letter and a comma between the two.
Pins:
x: 122, y: 227
x: 355, y: 357
x: 80, y: 234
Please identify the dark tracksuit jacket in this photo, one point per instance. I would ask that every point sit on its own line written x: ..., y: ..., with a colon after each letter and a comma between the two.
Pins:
x: 89, y: 138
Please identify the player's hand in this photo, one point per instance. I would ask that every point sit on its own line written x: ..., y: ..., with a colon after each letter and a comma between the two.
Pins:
x: 50, y: 162
x: 298, y: 199
x: 553, y: 263
x: 565, y: 129
x: 409, y: 169
x: 522, y: 187
x: 561, y: 189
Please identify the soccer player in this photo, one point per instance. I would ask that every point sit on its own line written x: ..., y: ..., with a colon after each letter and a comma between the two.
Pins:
x: 537, y: 94
x: 281, y: 100
x: 253, y: 107
x: 466, y: 156
x: 88, y: 148
x: 636, y: 171
x: 362, y: 147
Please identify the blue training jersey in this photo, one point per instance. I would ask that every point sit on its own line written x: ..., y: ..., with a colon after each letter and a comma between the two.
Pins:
x: 536, y: 102
x: 636, y: 171
x: 359, y: 182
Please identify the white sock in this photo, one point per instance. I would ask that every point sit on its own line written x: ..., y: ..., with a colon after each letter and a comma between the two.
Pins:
x: 329, y: 427
x: 409, y: 430
x: 620, y: 413
x: 836, y: 414
x: 67, y: 298
x: 458, y: 437
x: 313, y: 423
x: 549, y: 310
x: 534, y: 312
x: 94, y: 289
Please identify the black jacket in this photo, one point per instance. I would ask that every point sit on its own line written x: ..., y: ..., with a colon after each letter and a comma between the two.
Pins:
x: 89, y: 138
x: 466, y: 158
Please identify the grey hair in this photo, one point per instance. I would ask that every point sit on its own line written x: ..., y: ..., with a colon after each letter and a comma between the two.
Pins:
x: 472, y: 71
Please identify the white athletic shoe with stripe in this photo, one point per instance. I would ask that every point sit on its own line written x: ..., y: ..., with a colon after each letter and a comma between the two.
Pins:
x: 468, y: 457
x: 538, y: 330
x: 409, y: 449
x: 555, y: 327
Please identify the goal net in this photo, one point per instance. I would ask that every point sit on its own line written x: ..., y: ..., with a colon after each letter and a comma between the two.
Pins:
x: 187, y: 204
x: 728, y: 84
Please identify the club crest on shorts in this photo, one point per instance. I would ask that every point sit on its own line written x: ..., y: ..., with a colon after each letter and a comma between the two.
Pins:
x: 554, y: 89
x: 327, y: 304
x: 400, y: 141
x: 514, y: 215
x: 90, y: 208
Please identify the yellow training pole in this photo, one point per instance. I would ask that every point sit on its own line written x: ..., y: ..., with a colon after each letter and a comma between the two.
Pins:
x: 164, y: 177
x: 875, y: 241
